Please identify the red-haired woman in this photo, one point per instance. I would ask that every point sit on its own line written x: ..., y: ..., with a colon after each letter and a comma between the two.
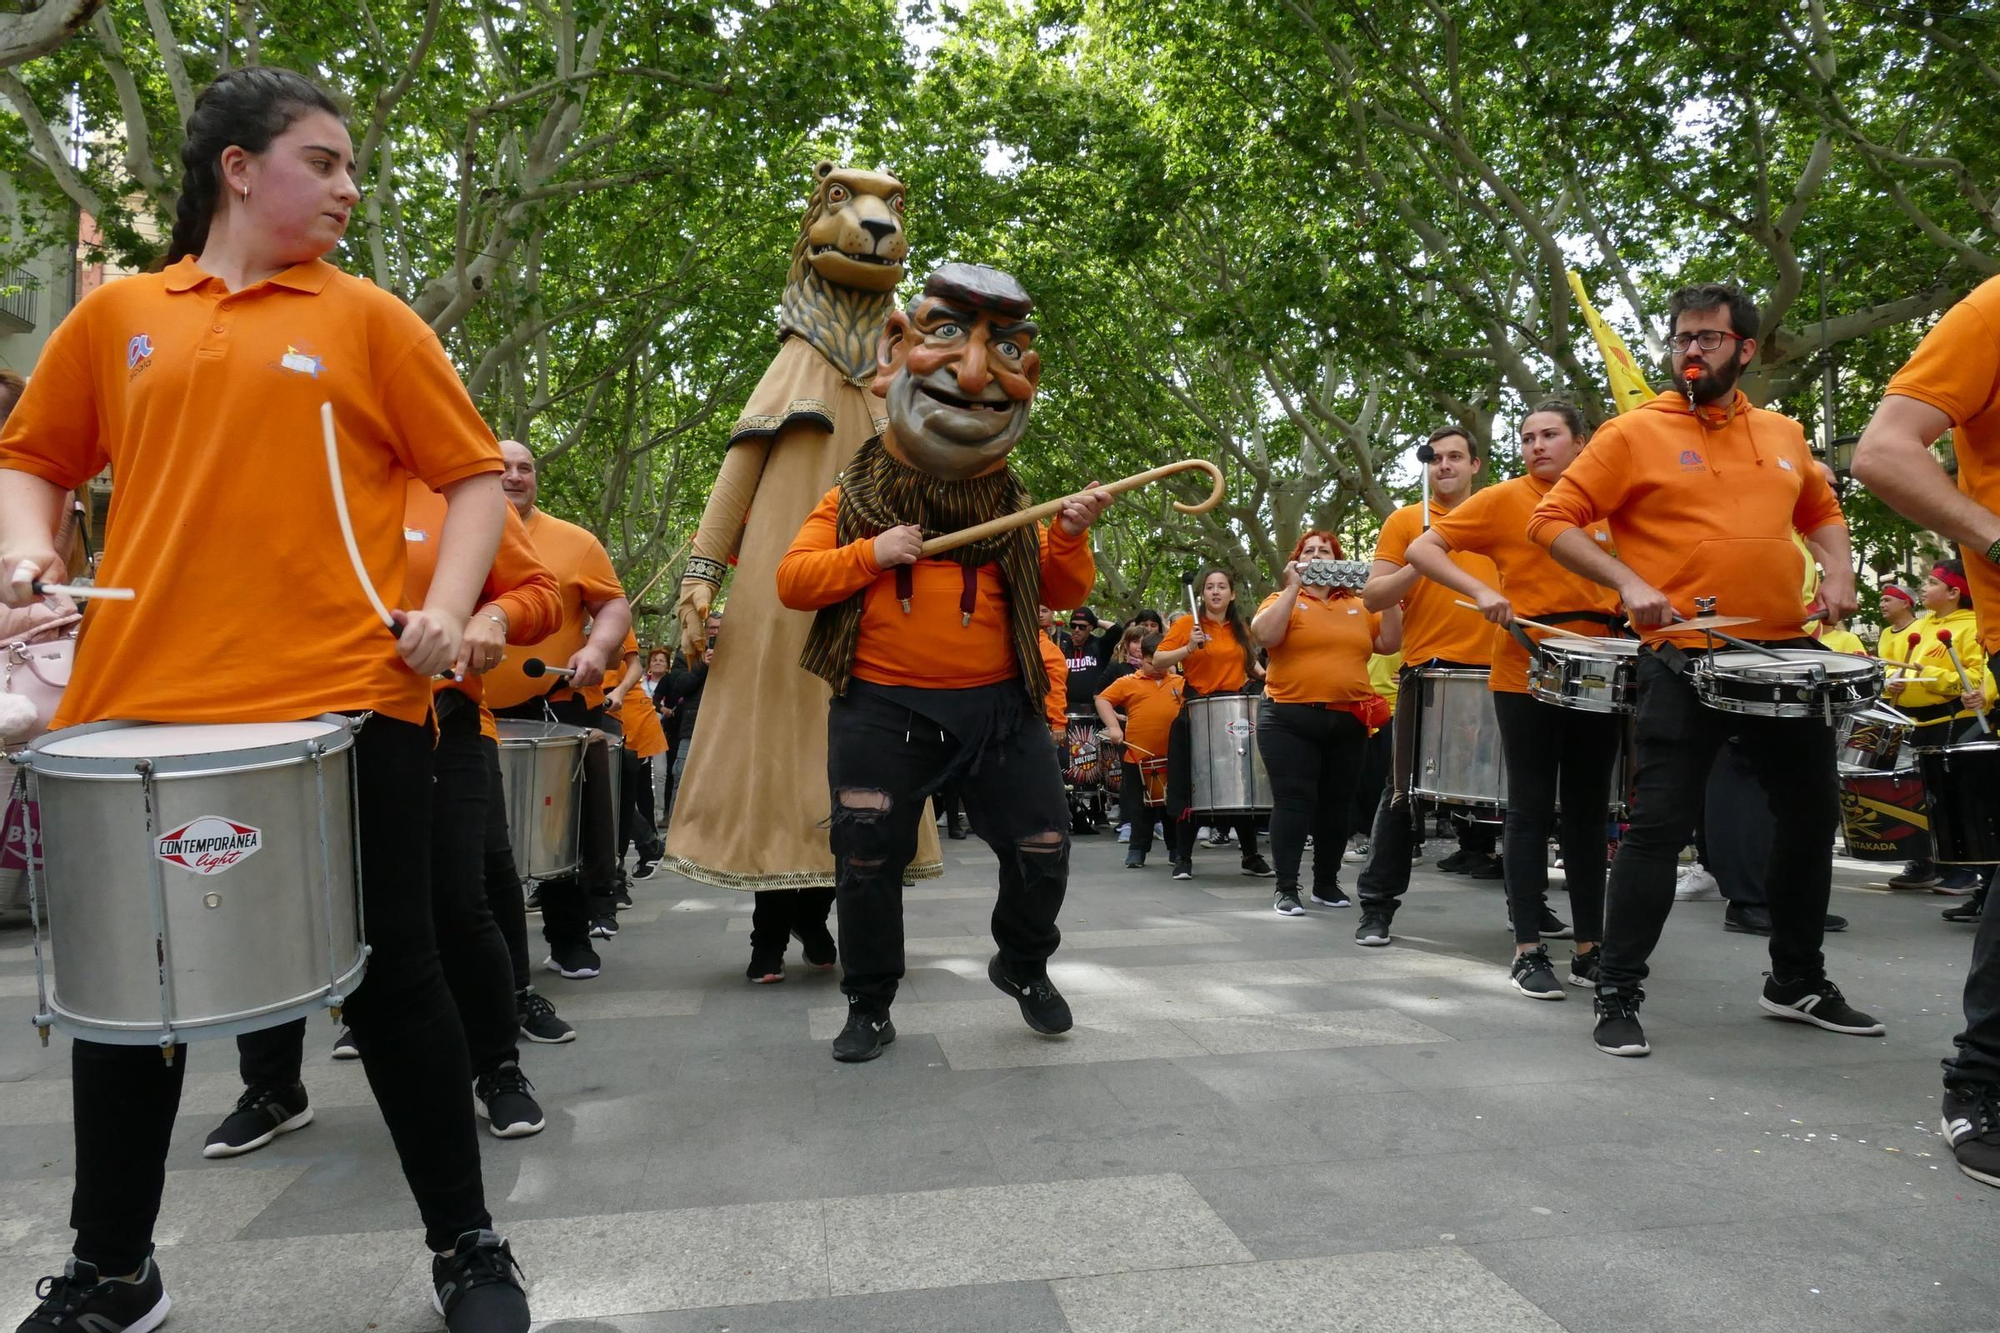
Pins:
x: 1312, y: 729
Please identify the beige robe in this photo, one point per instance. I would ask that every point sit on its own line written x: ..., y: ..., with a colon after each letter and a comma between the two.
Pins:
x: 754, y: 801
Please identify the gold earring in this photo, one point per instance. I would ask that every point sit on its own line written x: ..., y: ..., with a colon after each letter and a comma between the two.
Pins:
x: 246, y: 194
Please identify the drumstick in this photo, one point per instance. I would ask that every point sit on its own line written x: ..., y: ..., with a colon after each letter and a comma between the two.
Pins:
x: 1964, y: 681
x: 81, y: 590
x: 346, y: 523
x: 1532, y: 624
x: 951, y: 541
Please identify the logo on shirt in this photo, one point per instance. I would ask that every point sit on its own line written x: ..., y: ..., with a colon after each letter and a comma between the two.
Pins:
x: 1691, y: 461
x: 302, y: 363
x: 138, y: 355
x: 209, y: 844
x: 415, y: 535
x: 1785, y: 463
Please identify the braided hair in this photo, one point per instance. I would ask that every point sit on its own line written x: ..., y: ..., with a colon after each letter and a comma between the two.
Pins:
x: 246, y: 108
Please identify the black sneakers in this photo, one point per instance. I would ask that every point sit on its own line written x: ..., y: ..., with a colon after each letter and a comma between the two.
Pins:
x: 1257, y: 867
x: 504, y: 1100
x: 1618, y: 1031
x: 1583, y: 969
x: 78, y: 1301
x: 1554, y: 927
x: 1184, y: 868
x: 1968, y: 912
x: 1373, y: 931
x: 1285, y: 902
x: 644, y: 870
x: 1818, y: 1002
x: 1331, y: 897
x: 1534, y: 977
x: 574, y: 962
x: 1042, y: 1005
x: 816, y: 942
x: 1747, y: 918
x: 533, y: 904
x: 867, y: 1032
x: 538, y: 1019
x: 344, y: 1047
x: 476, y: 1287
x: 604, y: 928
x: 765, y: 971
x: 262, y: 1113
x: 1971, y: 1125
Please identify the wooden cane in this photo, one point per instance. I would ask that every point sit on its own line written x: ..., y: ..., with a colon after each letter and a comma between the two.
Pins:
x: 1534, y: 624
x: 951, y: 541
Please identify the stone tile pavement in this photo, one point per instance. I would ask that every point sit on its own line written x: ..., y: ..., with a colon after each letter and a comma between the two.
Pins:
x: 1255, y: 1126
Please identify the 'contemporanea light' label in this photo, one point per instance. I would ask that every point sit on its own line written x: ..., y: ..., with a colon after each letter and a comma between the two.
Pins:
x: 209, y: 844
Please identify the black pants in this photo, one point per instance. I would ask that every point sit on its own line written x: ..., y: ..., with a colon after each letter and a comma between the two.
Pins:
x: 1386, y: 877
x: 780, y: 912
x: 503, y: 877
x: 402, y: 1016
x: 1182, y: 820
x: 1133, y: 810
x: 1555, y: 752
x: 570, y: 901
x: 1375, y: 765
x: 635, y: 821
x: 883, y: 760
x: 1677, y: 738
x: 1314, y: 757
x: 1978, y: 1057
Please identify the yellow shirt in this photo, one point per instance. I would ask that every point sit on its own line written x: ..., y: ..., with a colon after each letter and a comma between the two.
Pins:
x: 1383, y: 669
x: 1937, y: 681
x: 1842, y: 641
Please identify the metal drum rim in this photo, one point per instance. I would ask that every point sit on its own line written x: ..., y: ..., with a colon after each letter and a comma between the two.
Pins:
x: 552, y: 734
x: 86, y: 767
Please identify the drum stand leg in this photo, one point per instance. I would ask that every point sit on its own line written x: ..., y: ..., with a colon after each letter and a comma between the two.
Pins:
x: 167, y: 1039
x: 31, y: 842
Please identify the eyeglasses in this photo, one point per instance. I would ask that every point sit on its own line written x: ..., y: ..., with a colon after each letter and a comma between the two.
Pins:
x: 1708, y: 340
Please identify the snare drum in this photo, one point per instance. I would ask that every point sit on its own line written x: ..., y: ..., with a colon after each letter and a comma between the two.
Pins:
x: 541, y: 778
x: 1083, y: 766
x: 1872, y: 740
x: 1153, y: 780
x: 1458, y: 758
x: 1962, y: 796
x: 1224, y: 763
x: 198, y: 880
x: 1593, y: 675
x: 1797, y: 682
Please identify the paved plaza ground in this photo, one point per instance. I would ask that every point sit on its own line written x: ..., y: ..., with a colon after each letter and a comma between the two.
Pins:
x: 1256, y: 1125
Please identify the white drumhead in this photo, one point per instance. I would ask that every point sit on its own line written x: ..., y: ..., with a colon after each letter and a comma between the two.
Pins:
x: 163, y: 740
x: 1585, y: 647
x: 1798, y: 662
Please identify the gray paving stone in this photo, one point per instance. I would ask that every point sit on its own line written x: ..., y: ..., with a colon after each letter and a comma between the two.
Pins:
x: 1019, y: 1307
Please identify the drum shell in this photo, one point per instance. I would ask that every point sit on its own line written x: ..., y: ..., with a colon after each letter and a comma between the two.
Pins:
x: 1872, y: 741
x: 1591, y: 678
x: 1224, y: 763
x: 1883, y: 816
x: 1083, y: 759
x: 1960, y: 786
x: 244, y: 949
x: 1722, y: 687
x: 1458, y: 757
x: 541, y: 776
x: 615, y: 753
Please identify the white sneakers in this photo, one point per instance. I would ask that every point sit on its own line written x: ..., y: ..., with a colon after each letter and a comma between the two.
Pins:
x: 1693, y: 884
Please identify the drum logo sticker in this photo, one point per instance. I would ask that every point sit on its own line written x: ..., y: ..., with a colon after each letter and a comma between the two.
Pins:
x: 1240, y: 727
x: 209, y: 844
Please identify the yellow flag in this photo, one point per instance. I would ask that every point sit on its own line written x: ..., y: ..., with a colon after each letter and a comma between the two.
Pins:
x: 1628, y: 386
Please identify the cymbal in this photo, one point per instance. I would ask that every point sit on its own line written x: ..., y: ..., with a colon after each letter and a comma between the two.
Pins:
x: 1708, y: 622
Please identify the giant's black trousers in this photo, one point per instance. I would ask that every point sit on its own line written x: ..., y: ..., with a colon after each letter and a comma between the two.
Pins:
x: 402, y: 1016
x: 1676, y: 739
x: 779, y: 913
x: 1313, y: 757
x: 1551, y: 751
x: 883, y: 761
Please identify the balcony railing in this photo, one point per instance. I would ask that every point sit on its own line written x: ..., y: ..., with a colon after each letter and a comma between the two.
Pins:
x: 17, y: 300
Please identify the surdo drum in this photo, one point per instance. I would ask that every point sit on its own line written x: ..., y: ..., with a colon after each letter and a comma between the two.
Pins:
x: 197, y: 880
x: 541, y: 779
x: 1959, y: 785
x: 1226, y: 768
x: 1458, y: 759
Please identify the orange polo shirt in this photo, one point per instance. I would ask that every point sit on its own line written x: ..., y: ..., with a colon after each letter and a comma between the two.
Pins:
x: 1701, y: 508
x: 1324, y: 658
x: 1217, y: 666
x: 1055, y: 704
x: 930, y: 647
x: 584, y: 574
x: 206, y: 405
x: 1150, y: 705
x: 1435, y: 627
x: 1956, y: 369
x: 518, y: 583
x: 644, y: 736
x: 1494, y: 523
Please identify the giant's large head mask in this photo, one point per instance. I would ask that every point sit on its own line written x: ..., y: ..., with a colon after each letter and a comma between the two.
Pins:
x: 959, y: 371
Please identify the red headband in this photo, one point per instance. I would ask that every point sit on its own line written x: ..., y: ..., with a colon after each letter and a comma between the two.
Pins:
x: 1898, y: 591
x: 1951, y: 580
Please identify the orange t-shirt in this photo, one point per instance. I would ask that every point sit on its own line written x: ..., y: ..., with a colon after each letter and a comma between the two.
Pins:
x: 1055, y: 705
x: 1956, y: 369
x: 206, y: 405
x: 1435, y: 627
x: 644, y: 736
x: 518, y: 583
x: 931, y: 647
x: 1150, y: 705
x: 1324, y: 658
x: 1494, y: 523
x: 1701, y: 509
x: 1217, y: 666
x: 584, y: 573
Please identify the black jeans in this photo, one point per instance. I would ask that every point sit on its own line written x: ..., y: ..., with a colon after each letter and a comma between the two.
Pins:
x: 1555, y: 752
x: 1133, y: 810
x: 570, y: 901
x: 503, y: 877
x: 1313, y: 756
x: 402, y: 1016
x: 1978, y: 1058
x: 883, y: 760
x: 780, y: 912
x: 635, y: 821
x: 1375, y: 765
x: 1677, y: 738
x: 1386, y: 877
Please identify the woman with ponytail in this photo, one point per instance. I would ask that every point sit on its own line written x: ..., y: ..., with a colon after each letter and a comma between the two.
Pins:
x: 202, y: 386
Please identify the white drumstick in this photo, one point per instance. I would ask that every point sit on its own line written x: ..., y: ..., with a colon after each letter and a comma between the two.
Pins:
x: 347, y: 524
x: 82, y: 590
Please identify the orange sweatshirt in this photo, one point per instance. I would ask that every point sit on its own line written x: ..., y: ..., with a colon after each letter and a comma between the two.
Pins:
x: 929, y: 647
x: 1701, y: 508
x: 1055, y: 704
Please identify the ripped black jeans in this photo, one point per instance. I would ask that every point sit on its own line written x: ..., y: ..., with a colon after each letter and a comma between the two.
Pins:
x: 883, y: 759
